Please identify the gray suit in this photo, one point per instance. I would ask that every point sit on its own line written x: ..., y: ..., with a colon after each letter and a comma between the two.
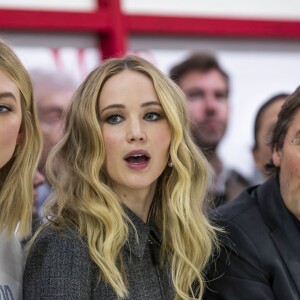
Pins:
x: 59, y: 267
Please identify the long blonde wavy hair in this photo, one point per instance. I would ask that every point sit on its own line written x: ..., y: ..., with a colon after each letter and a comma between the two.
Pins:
x: 84, y: 196
x: 16, y: 187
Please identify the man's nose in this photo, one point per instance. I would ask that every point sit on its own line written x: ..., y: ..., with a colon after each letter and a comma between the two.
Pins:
x: 211, y: 103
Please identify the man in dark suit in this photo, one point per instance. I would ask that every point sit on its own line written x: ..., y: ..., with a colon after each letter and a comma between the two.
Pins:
x: 260, y: 251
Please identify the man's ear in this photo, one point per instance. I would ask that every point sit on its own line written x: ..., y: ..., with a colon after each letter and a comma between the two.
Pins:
x: 255, y: 155
x: 276, y: 156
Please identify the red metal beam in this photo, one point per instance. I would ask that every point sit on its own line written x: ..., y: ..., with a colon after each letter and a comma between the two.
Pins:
x: 41, y: 20
x: 215, y: 27
x: 114, y: 41
x: 113, y: 27
x: 109, y: 18
x: 108, y: 22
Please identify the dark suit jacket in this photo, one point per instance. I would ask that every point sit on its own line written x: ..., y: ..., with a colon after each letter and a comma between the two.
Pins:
x: 260, y: 256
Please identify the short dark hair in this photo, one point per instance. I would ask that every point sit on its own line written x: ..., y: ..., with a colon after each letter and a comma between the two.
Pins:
x: 201, y: 62
x: 286, y: 115
x: 261, y: 110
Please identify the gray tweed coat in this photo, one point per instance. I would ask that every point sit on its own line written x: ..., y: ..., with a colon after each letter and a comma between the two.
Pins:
x: 59, y: 267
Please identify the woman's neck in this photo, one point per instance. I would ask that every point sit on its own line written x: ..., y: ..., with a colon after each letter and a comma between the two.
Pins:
x: 138, y: 201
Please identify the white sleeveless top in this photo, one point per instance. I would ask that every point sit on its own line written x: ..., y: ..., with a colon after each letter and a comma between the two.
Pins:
x: 11, y: 267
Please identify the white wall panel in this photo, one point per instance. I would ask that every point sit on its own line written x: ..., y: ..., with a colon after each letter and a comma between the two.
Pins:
x: 274, y: 9
x: 69, y: 5
x: 76, y: 54
x: 258, y: 69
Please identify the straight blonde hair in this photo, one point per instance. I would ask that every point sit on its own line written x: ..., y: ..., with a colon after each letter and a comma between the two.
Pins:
x: 16, y: 186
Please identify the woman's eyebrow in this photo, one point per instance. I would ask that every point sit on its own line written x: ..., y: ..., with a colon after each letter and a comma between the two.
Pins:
x: 151, y: 103
x: 112, y: 106
x: 8, y: 95
x: 123, y: 106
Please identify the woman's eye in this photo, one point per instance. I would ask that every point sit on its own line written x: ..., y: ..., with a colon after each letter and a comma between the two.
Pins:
x: 114, y: 119
x: 4, y: 108
x: 152, y: 116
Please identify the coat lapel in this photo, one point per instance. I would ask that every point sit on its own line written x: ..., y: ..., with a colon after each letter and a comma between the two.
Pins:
x: 283, y: 230
x: 287, y: 240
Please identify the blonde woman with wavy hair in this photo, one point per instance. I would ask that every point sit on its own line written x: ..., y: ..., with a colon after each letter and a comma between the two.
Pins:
x: 20, y: 146
x: 127, y: 219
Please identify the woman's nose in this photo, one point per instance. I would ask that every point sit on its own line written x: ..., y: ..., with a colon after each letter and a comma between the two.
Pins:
x: 136, y: 132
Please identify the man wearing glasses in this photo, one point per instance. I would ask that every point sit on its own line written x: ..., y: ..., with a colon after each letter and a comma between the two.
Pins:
x: 260, y: 255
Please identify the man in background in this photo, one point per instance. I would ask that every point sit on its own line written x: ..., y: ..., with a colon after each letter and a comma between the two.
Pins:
x: 206, y: 85
x: 53, y: 93
x: 264, y: 123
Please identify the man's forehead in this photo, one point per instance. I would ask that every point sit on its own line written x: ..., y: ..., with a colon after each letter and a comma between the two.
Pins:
x: 294, y: 127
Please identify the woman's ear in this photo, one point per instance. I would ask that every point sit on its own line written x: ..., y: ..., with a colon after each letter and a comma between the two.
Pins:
x: 20, y: 138
x: 276, y: 156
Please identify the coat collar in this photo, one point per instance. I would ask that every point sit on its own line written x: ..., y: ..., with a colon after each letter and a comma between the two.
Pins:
x: 283, y: 230
x: 142, y: 235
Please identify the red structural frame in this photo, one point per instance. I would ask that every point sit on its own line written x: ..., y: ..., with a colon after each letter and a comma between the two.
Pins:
x: 113, y: 26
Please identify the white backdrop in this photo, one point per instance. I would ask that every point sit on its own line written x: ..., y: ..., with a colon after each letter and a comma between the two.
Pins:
x: 274, y: 9
x: 258, y: 68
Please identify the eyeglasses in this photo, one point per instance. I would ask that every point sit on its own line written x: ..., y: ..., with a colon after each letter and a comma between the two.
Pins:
x: 294, y: 141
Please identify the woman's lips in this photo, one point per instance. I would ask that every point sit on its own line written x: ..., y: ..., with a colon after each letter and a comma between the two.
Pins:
x: 137, y: 159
